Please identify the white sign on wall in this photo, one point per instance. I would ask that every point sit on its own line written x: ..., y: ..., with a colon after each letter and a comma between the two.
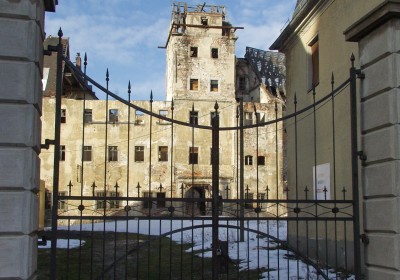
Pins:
x: 322, y: 189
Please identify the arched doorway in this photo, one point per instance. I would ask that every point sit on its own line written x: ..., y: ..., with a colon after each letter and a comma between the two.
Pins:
x: 197, y: 207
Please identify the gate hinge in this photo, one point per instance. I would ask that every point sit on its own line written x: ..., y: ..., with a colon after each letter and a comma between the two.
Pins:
x: 360, y: 74
x: 362, y: 156
x: 364, y: 238
x: 47, y: 144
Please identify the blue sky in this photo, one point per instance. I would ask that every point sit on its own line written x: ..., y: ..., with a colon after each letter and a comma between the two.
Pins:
x: 124, y: 36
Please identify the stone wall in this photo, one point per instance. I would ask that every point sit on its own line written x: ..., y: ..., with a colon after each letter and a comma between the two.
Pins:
x: 379, y: 46
x: 21, y: 61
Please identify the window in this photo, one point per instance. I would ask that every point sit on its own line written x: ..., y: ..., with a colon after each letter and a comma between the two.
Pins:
x: 139, y: 117
x: 87, y: 153
x: 112, y: 153
x: 148, y: 203
x: 314, y: 63
x: 113, y: 115
x: 163, y: 153
x: 139, y: 153
x: 262, y: 196
x: 100, y: 204
x: 62, y: 204
x: 114, y: 204
x: 193, y: 51
x: 248, y: 203
x: 214, y: 53
x: 161, y: 200
x: 163, y: 113
x: 248, y: 118
x: 194, y: 84
x: 214, y: 85
x: 88, y: 115
x: 260, y: 160
x: 261, y: 117
x: 248, y: 160
x: 193, y: 155
x: 242, y: 83
x: 212, y: 115
x: 193, y: 117
x: 62, y: 153
x: 204, y: 21
x: 63, y: 118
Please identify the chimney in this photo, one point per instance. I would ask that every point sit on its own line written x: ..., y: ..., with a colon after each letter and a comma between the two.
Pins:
x: 78, y: 60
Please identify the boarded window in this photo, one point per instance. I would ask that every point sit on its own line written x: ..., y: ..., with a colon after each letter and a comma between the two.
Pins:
x: 87, y: 153
x: 112, y: 153
x: 214, y: 85
x: 193, y: 155
x: 62, y: 153
x: 139, y: 153
x: 113, y: 115
x: 194, y: 84
x: 260, y: 160
x: 214, y: 53
x: 161, y: 200
x: 88, y: 115
x: 148, y: 203
x: 63, y: 118
x: 163, y: 153
x: 193, y: 51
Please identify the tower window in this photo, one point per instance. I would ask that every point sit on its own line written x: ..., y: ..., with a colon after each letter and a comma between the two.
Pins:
x: 193, y: 51
x: 194, y: 84
x: 214, y: 86
x: 214, y: 53
x: 193, y: 155
x: 204, y: 21
x: 113, y: 115
x: 88, y: 115
x: 193, y: 117
x: 260, y: 160
x: 139, y: 153
x: 248, y: 160
x: 87, y: 153
x: 163, y: 153
x: 112, y: 153
x: 62, y: 152
x: 63, y: 116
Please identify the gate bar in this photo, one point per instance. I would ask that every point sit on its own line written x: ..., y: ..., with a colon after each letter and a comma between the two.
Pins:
x: 215, y: 193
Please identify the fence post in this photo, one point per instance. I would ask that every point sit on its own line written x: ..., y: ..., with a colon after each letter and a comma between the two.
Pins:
x: 354, y: 167
x: 54, y: 214
x: 215, y: 192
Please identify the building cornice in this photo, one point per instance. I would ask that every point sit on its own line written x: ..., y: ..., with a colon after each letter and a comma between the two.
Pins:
x: 50, y: 5
x: 387, y: 10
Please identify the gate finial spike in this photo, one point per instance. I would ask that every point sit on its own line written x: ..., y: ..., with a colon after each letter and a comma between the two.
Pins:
x: 85, y: 59
x: 295, y: 98
x: 107, y: 75
x: 172, y: 104
x: 138, y: 185
x: 151, y: 96
x: 60, y: 33
x: 352, y: 59
x: 216, y: 106
x: 129, y: 86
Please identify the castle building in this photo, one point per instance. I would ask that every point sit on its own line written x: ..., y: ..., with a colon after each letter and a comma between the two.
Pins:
x: 111, y: 149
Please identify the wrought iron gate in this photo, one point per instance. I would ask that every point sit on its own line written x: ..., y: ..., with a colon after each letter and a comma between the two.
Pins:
x: 194, y: 228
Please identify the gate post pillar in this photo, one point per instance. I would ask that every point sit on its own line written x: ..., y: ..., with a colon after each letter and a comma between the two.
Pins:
x: 21, y: 62
x: 378, y: 38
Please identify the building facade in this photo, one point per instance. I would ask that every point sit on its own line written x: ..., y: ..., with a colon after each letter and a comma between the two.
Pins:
x: 108, y: 148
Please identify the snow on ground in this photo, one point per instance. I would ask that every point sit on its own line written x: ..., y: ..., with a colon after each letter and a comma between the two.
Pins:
x: 64, y: 244
x: 257, y: 250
